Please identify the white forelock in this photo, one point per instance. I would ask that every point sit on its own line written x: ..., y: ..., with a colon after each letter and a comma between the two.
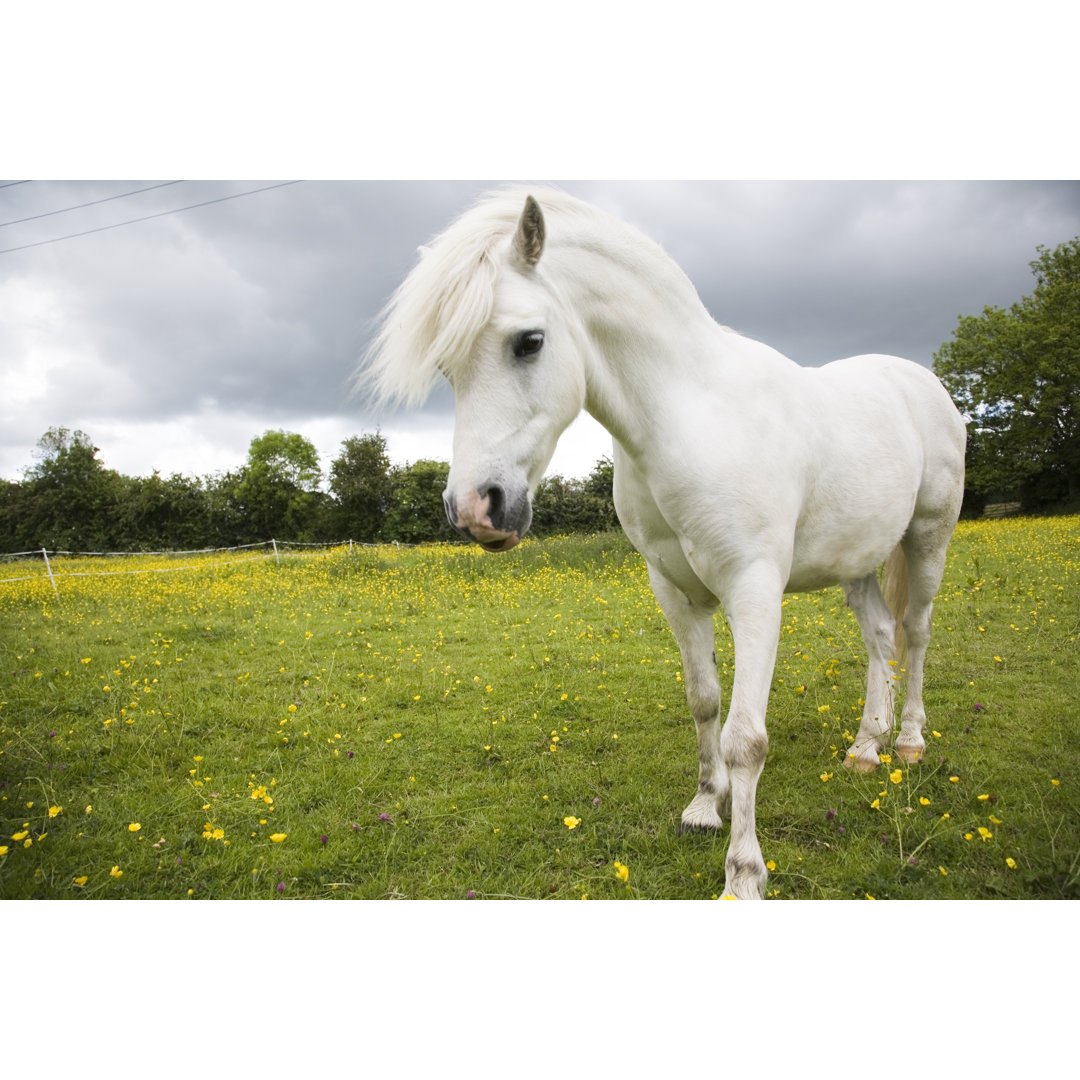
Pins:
x: 429, y: 325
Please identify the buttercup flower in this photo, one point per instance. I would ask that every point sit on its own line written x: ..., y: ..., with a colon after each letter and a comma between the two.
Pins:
x: 622, y: 872
x: 571, y: 822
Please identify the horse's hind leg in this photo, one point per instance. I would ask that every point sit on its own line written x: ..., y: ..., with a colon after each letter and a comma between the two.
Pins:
x: 878, y: 626
x: 924, y: 547
x: 692, y: 625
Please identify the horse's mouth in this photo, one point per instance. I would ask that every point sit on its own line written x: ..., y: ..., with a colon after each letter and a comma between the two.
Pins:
x: 503, y: 544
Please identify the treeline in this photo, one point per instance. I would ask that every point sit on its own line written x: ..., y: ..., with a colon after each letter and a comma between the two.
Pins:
x: 70, y: 501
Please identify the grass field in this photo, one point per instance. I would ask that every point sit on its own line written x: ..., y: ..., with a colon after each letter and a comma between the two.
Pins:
x: 440, y: 723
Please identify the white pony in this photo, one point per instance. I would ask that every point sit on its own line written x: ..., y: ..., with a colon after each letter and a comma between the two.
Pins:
x: 739, y: 475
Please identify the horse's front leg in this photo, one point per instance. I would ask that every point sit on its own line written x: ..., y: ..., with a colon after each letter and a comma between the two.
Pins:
x: 753, y: 609
x: 692, y: 625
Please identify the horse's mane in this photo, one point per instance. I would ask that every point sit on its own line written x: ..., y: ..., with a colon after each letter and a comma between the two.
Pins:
x: 429, y: 325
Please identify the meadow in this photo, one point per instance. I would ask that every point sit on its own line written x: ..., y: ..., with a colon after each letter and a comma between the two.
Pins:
x: 435, y: 722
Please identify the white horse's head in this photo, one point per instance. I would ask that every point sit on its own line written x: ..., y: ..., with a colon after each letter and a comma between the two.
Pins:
x: 479, y: 309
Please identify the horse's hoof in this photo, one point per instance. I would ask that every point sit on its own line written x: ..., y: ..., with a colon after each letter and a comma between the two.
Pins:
x: 860, y: 764
x: 911, y: 754
x: 685, y: 828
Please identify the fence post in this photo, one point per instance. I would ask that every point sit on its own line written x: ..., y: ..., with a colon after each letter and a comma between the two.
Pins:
x: 48, y: 569
x: 276, y: 561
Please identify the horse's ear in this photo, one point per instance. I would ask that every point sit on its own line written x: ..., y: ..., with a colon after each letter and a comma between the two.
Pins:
x: 529, y: 238
x: 423, y: 251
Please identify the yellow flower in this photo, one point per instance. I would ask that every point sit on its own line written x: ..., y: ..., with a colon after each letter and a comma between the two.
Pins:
x: 20, y: 835
x: 3, y: 849
x: 983, y: 798
x: 770, y: 865
x: 944, y: 872
x: 1010, y: 863
x: 54, y: 810
x: 116, y: 872
x: 985, y: 833
x: 896, y: 776
x: 923, y: 800
x: 571, y: 822
x: 80, y: 881
x: 875, y: 804
x: 89, y: 809
x: 622, y: 872
x: 825, y: 777
x: 134, y: 827
x: 278, y: 837
x: 954, y: 779
x: 1055, y: 782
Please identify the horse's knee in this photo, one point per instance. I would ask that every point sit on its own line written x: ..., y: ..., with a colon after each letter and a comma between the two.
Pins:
x: 743, y: 746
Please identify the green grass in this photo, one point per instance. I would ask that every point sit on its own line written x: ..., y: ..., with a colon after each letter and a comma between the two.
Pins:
x: 398, y: 709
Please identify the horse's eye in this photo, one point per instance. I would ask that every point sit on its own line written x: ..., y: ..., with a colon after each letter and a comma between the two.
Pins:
x: 528, y: 343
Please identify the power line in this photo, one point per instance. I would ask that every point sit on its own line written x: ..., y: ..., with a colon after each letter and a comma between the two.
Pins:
x: 148, y: 217
x: 96, y: 202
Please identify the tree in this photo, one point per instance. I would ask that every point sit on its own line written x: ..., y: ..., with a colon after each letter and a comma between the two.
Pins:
x: 160, y: 513
x: 67, y: 500
x: 575, y: 506
x: 278, y: 487
x: 361, y: 485
x: 416, y: 514
x: 1015, y: 375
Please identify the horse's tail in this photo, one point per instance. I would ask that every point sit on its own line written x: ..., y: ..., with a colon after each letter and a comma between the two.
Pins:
x: 896, y: 596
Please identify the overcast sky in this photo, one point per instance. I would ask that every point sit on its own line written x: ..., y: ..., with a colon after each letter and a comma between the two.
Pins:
x: 174, y: 341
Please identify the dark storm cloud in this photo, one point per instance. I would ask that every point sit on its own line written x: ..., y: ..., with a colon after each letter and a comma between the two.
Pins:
x: 254, y: 311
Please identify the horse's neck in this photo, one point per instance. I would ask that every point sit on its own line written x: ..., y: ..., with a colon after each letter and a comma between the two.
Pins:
x: 654, y: 346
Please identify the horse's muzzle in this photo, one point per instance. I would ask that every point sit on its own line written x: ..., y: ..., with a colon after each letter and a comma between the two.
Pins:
x: 487, y: 517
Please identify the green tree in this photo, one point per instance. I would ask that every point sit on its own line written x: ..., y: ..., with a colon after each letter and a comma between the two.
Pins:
x: 167, y: 514
x: 278, y: 487
x: 416, y: 514
x: 361, y: 485
x: 575, y: 506
x: 68, y: 500
x: 1015, y: 375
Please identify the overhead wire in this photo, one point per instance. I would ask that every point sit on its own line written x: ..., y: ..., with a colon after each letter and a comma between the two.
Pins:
x: 95, y: 202
x: 148, y: 217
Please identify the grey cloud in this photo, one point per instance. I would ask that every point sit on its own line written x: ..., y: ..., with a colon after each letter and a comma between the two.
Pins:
x: 261, y: 306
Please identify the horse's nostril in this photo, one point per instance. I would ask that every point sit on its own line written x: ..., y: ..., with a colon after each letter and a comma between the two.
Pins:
x: 496, y: 504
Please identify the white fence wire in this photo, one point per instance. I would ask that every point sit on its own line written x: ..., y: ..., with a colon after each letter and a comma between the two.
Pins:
x: 278, y: 547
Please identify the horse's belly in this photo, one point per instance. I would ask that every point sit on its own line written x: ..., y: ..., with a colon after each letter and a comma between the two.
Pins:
x: 847, y: 550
